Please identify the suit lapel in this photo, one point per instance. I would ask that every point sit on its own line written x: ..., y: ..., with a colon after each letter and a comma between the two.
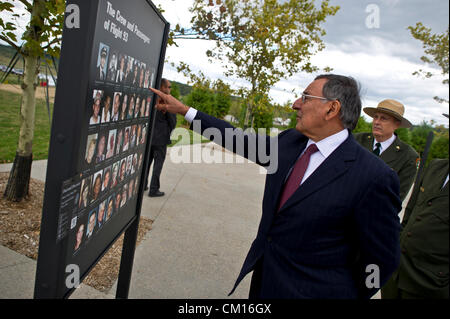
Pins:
x: 286, y: 161
x: 333, y: 167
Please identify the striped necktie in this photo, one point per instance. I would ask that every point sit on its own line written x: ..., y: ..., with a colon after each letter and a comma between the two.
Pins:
x: 377, y: 150
x: 297, y: 174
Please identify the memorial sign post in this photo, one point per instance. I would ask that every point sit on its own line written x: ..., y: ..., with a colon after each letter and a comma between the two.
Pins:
x: 100, y: 140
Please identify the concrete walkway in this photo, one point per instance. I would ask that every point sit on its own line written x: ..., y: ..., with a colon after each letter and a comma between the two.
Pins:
x: 202, y: 230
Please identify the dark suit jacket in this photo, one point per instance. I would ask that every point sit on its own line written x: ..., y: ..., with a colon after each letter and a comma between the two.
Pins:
x: 164, y: 124
x: 401, y: 157
x: 424, y: 263
x: 343, y: 218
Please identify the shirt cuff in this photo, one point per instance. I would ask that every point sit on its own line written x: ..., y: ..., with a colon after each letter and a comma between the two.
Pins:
x: 190, y: 115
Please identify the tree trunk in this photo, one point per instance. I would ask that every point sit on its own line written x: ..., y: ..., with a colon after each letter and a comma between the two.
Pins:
x: 19, y: 177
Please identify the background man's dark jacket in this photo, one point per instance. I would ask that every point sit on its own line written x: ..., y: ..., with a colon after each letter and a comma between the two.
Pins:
x: 343, y: 218
x: 401, y: 157
x: 164, y: 124
x: 424, y: 241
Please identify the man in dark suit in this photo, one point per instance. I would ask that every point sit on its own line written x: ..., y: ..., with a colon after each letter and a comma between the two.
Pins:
x: 330, y: 225
x: 383, y: 142
x: 164, y: 124
x: 424, y: 241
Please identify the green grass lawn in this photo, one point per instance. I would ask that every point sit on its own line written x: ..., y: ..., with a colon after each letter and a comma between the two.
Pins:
x: 9, y: 127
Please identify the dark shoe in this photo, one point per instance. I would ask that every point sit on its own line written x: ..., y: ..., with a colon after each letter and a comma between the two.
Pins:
x: 146, y: 187
x: 156, y: 194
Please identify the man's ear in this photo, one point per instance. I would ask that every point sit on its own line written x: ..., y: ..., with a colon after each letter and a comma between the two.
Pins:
x: 334, y: 109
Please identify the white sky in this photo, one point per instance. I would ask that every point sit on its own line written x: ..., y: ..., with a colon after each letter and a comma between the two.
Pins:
x: 381, y: 59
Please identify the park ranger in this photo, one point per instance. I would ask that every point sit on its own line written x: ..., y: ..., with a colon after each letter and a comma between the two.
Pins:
x: 383, y: 142
x: 424, y: 241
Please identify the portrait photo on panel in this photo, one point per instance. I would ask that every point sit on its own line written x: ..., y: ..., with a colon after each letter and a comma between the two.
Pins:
x: 126, y: 139
x: 109, y: 207
x: 101, y: 214
x: 123, y: 170
x: 130, y: 113
x: 116, y: 106
x: 112, y: 66
x: 115, y: 174
x: 96, y: 116
x: 118, y: 200
x: 103, y: 54
x: 106, y: 179
x: 96, y: 186
x: 129, y: 162
x: 101, y: 148
x: 137, y: 106
x: 142, y: 111
x: 111, y: 143
x: 129, y: 72
x: 124, y: 107
x: 84, y: 192
x: 134, y: 163
x: 133, y: 136
x: 121, y: 70
x: 119, y: 141
x: 142, y: 68
x: 138, y: 134
x: 136, y: 66
x: 91, y: 145
x: 106, y: 112
x: 91, y: 222
x: 147, y: 77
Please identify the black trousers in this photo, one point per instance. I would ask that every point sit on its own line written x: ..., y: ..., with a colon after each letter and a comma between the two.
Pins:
x: 157, y: 155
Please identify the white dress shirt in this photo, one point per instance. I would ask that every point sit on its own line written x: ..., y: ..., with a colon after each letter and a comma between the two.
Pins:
x: 325, y: 146
x: 385, y: 144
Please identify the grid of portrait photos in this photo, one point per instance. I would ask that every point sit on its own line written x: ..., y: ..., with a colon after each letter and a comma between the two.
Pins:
x: 119, y: 107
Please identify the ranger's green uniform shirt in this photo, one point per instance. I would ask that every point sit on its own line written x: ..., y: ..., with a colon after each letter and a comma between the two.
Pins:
x: 401, y: 157
x: 424, y: 240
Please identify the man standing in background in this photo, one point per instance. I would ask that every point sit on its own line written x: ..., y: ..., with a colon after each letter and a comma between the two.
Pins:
x: 164, y: 124
x: 383, y: 142
x: 424, y: 240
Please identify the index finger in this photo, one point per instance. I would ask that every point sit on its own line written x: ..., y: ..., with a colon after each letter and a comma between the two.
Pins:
x: 158, y: 92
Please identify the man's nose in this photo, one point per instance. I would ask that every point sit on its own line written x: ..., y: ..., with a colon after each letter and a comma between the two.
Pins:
x: 296, y: 104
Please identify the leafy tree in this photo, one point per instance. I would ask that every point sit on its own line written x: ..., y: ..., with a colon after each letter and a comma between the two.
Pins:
x: 201, y: 99
x: 42, y: 36
x: 362, y: 126
x: 419, y: 136
x: 175, y: 91
x: 436, y: 50
x: 403, y: 134
x: 261, y: 41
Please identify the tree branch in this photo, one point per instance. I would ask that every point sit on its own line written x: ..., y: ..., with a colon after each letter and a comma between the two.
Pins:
x: 55, y: 40
x: 18, y: 49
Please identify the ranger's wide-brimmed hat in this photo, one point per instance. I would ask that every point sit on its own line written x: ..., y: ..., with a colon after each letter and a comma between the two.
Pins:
x: 392, y: 108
